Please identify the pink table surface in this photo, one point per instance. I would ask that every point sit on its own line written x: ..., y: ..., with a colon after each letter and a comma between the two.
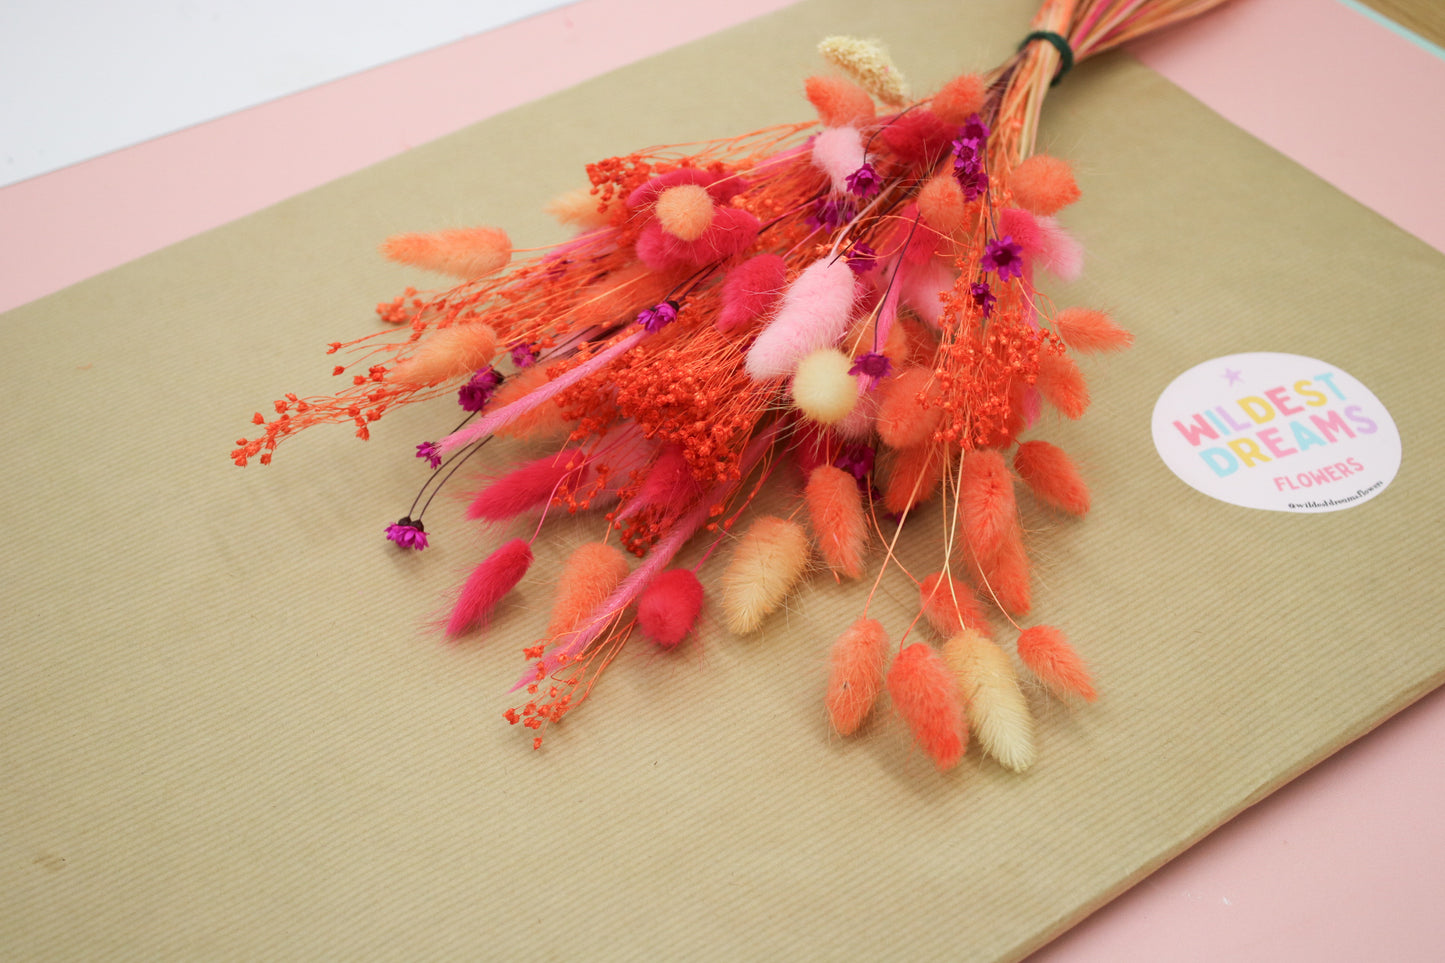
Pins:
x: 1347, y: 862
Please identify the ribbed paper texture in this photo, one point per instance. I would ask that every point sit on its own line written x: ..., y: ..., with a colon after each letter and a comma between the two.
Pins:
x: 230, y: 734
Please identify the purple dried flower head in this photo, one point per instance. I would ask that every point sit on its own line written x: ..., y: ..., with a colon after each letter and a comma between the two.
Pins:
x: 864, y: 182
x: 831, y: 213
x: 430, y: 451
x: 873, y: 366
x: 408, y: 534
x: 974, y: 129
x: 657, y: 317
x: 983, y: 297
x: 1004, y: 256
x: 857, y: 460
x: 860, y: 257
x: 522, y: 354
x: 967, y: 156
x: 474, y: 395
x: 974, y: 182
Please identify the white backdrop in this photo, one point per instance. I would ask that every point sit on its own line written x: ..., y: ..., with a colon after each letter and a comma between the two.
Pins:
x: 81, y: 78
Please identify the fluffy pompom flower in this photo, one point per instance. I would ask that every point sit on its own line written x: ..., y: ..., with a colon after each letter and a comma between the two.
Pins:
x: 838, y: 152
x: 839, y: 102
x: 449, y: 353
x: 867, y: 62
x: 767, y: 563
x: 1005, y: 577
x: 913, y: 476
x: 1051, y: 476
x: 823, y: 387
x: 1043, y: 184
x: 1062, y: 383
x: 1059, y: 253
x: 950, y: 606
x: 959, y: 99
x: 532, y: 485
x: 835, y: 507
x: 986, y: 506
x: 941, y: 203
x: 1086, y: 330
x: 1043, y: 242
x: 918, y: 137
x: 924, y: 289
x: 661, y: 252
x: 814, y: 314
x: 925, y: 695
x: 997, y: 711
x: 1023, y: 228
x: 750, y: 290
x: 669, y: 485
x: 904, y: 421
x: 685, y: 211
x: 731, y: 231
x: 856, y: 676
x: 721, y: 186
x: 668, y: 608
x: 591, y: 573
x: 1048, y: 655
x: 579, y: 208
x: 467, y: 253
x: 488, y: 584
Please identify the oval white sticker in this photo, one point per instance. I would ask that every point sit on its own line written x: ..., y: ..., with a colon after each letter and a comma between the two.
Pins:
x: 1276, y: 431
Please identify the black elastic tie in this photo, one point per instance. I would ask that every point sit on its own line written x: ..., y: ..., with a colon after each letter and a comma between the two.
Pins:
x: 1066, y: 53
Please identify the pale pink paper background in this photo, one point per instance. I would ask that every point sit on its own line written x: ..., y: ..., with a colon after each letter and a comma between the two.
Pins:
x: 1344, y: 864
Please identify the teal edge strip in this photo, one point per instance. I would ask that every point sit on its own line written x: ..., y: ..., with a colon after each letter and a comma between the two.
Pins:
x: 1391, y: 25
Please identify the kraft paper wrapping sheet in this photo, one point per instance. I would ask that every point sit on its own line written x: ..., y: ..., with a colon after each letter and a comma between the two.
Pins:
x: 228, y: 732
